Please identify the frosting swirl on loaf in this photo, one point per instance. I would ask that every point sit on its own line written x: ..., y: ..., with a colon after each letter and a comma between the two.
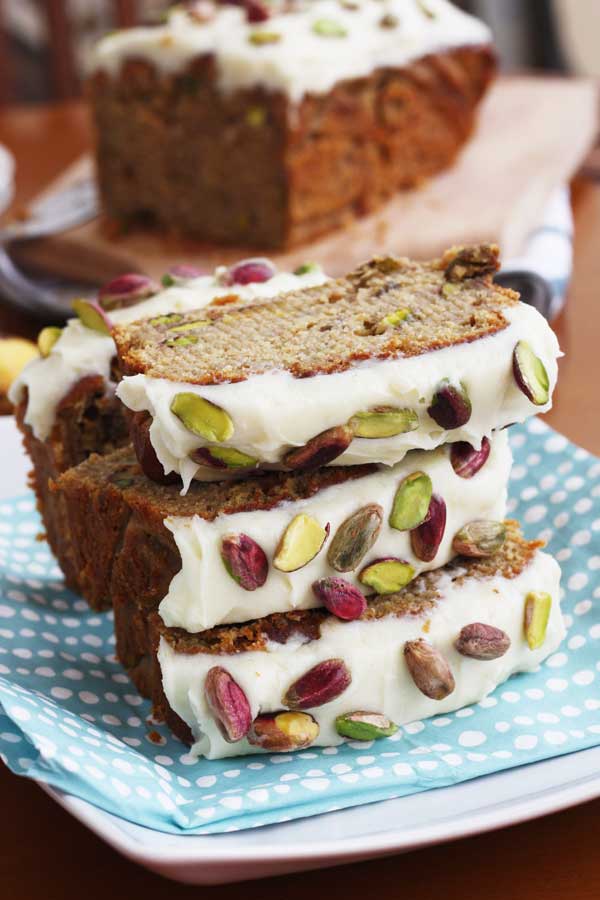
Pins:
x: 308, y: 48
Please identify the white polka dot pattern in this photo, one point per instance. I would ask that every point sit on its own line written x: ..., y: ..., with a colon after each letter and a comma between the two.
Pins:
x: 70, y: 717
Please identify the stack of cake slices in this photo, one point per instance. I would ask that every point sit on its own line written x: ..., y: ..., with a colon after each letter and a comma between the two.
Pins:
x: 306, y: 540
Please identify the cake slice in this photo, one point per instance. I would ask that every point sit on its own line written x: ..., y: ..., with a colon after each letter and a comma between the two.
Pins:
x: 398, y: 355
x: 286, y: 682
x: 240, y: 550
x: 266, y: 124
x: 65, y: 402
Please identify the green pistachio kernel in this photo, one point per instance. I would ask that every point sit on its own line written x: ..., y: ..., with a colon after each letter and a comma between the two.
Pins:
x: 396, y: 317
x: 387, y: 576
x: 261, y: 38
x: 183, y: 341
x: 301, y: 541
x: 190, y: 326
x: 307, y: 267
x: 329, y: 28
x: 200, y: 416
x: 47, y: 339
x: 383, y: 422
x: 530, y: 374
x: 365, y: 726
x: 233, y: 459
x: 411, y: 503
x: 92, y: 316
x: 537, y: 614
x: 166, y: 320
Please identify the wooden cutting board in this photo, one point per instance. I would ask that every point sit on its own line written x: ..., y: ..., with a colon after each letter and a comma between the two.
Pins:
x: 532, y: 135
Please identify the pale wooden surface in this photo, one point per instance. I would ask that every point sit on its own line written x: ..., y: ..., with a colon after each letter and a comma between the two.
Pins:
x: 47, y: 855
x: 532, y: 135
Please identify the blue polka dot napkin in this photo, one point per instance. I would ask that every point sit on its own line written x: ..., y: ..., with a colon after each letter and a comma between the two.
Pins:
x: 70, y: 717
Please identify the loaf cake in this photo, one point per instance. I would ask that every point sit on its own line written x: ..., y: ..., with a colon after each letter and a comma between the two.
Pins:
x: 65, y: 402
x: 287, y: 681
x: 234, y: 551
x: 444, y: 642
x: 270, y: 123
x: 398, y: 355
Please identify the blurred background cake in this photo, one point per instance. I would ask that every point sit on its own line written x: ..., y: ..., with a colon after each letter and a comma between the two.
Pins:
x: 272, y: 123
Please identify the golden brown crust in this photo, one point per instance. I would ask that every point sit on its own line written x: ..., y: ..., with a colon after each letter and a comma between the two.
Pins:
x: 119, y: 477
x: 88, y: 419
x: 331, y: 327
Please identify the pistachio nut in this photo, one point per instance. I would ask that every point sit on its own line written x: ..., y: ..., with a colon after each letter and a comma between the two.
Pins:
x: 480, y: 641
x: 450, y: 406
x: 228, y: 704
x: 355, y: 537
x: 307, y: 267
x: 383, y: 422
x: 92, y: 315
x: 530, y: 374
x: 283, y: 731
x: 187, y: 340
x: 466, y: 460
x: 189, y: 326
x: 388, y: 575
x: 47, y: 338
x: 426, y: 538
x: 429, y: 669
x: 411, y: 501
x: 320, y: 685
x: 340, y: 597
x: 365, y: 726
x: 301, y: 541
x: 202, y: 417
x: 145, y: 452
x: 393, y: 319
x: 329, y: 28
x: 168, y: 319
x: 223, y: 458
x: 537, y: 615
x: 481, y: 537
x: 321, y: 449
x: 250, y: 271
x: 181, y: 273
x: 245, y: 560
x: 261, y: 38
x: 471, y: 260
x: 126, y: 290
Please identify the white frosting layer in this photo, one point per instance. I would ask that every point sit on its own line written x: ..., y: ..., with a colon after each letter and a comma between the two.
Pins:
x: 81, y: 351
x: 203, y: 594
x: 302, y: 60
x: 275, y: 411
x: 373, y: 653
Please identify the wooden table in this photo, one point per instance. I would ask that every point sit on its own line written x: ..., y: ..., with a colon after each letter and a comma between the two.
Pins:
x: 46, y: 854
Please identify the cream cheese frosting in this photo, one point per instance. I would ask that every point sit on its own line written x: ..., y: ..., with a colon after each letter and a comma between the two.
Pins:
x: 274, y: 412
x: 306, y: 56
x: 372, y: 650
x: 203, y: 594
x: 80, y: 351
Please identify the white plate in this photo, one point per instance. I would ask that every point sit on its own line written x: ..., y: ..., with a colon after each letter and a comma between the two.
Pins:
x: 351, y: 835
